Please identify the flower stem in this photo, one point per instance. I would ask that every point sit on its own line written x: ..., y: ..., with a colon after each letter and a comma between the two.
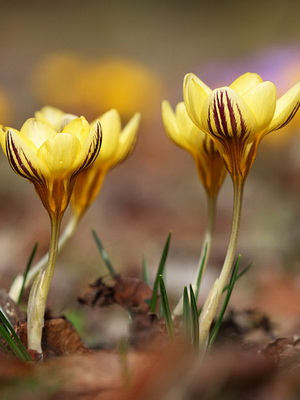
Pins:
x: 212, y: 302
x: 39, y: 292
x: 205, y: 252
x: 14, y: 291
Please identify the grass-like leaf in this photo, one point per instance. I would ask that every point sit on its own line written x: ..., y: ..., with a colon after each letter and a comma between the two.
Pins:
x: 239, y: 275
x: 200, y: 273
x: 145, y: 272
x: 27, y: 268
x: 166, y: 307
x: 233, y: 279
x: 104, y: 254
x: 8, y: 334
x: 194, y: 320
x: 159, y: 272
x: 186, y: 314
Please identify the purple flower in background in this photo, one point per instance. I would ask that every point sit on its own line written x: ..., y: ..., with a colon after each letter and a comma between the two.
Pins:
x: 280, y: 65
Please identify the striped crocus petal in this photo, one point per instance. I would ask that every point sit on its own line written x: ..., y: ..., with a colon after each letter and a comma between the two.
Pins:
x: 111, y: 129
x: 286, y: 107
x: 225, y: 115
x: 23, y: 159
x: 90, y: 149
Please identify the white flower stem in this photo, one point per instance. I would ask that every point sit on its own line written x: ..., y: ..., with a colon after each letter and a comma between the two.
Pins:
x: 15, y: 289
x: 39, y: 292
x: 212, y: 302
x: 205, y: 252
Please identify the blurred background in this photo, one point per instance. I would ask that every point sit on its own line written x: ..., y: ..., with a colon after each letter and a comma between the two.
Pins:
x: 89, y: 57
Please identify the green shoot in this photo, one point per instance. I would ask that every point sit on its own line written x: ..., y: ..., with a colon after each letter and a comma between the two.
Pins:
x: 186, y: 315
x: 104, y: 254
x: 200, y: 273
x: 160, y: 271
x: 27, y: 268
x: 194, y: 320
x: 8, y: 334
x: 240, y: 274
x: 231, y: 284
x: 166, y: 308
x: 145, y: 272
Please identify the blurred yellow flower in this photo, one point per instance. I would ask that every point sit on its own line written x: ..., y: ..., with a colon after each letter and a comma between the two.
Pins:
x: 5, y: 108
x: 117, y: 145
x: 183, y: 132
x: 58, y: 80
x: 239, y: 116
x: 92, y: 86
x: 51, y: 159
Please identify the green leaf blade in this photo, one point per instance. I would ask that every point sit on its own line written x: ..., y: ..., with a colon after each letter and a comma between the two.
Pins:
x: 159, y: 272
x: 166, y: 308
x: 104, y: 254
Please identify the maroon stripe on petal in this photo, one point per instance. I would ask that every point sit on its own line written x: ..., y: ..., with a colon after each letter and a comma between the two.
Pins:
x: 93, y: 149
x: 231, y: 113
x: 98, y: 142
x: 290, y: 117
x: 243, y: 131
x: 222, y: 111
x: 217, y: 114
x: 34, y: 171
x: 18, y: 165
x: 13, y: 154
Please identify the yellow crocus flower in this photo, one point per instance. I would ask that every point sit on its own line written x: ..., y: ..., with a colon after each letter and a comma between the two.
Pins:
x: 238, y: 116
x: 117, y: 145
x: 51, y: 159
x: 183, y: 132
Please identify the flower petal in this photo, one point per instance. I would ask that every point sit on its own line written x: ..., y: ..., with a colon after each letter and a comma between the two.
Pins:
x: 111, y: 129
x: 195, y: 93
x: 226, y: 115
x: 127, y: 140
x: 191, y: 136
x: 90, y: 148
x: 60, y: 154
x: 171, y: 126
x: 245, y: 82
x: 54, y: 117
x: 286, y: 107
x: 261, y: 99
x: 36, y: 132
x: 78, y: 127
x: 49, y: 115
x: 3, y: 132
x: 23, y: 159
